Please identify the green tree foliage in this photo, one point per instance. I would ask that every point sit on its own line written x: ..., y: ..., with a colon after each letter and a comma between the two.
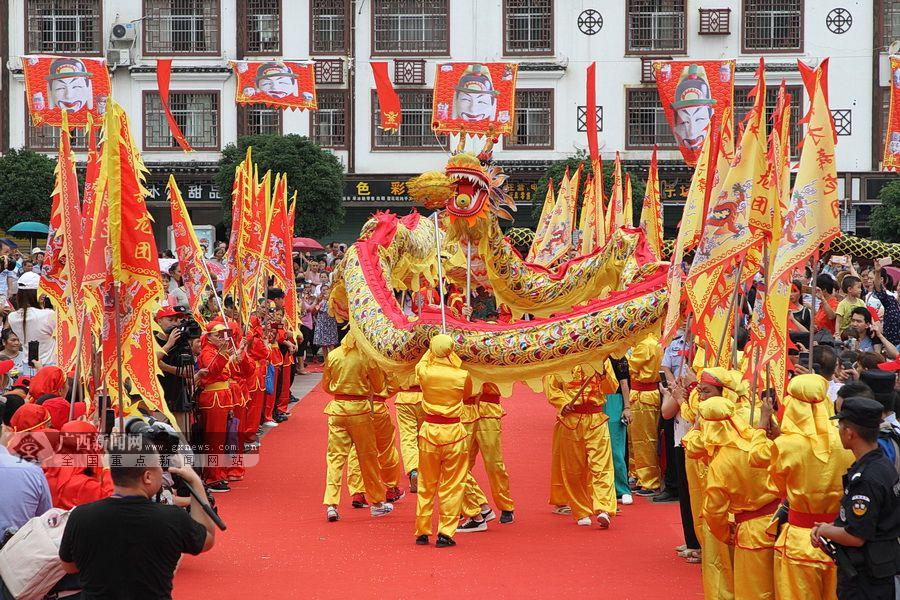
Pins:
x: 885, y: 219
x: 558, y: 169
x: 315, y: 174
x: 26, y: 186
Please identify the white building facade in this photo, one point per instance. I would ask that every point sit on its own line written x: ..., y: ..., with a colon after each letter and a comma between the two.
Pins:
x: 552, y: 40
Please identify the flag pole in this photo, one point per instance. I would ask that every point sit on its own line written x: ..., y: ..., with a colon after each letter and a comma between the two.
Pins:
x: 734, y: 297
x: 440, y: 271
x: 469, y: 272
x: 812, y: 324
x: 76, y: 380
x: 117, y: 290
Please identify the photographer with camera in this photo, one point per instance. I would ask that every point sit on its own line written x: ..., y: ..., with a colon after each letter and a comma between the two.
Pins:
x: 176, y: 361
x: 99, y: 542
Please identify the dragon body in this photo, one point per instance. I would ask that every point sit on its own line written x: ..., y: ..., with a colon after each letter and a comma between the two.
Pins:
x: 589, y: 308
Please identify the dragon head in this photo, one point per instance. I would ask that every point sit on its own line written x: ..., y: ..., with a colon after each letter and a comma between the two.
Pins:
x: 471, y: 193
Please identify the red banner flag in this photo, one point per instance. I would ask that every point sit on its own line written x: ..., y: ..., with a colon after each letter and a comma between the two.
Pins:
x: 591, y: 112
x: 474, y: 98
x: 163, y: 78
x: 188, y: 251
x: 388, y: 101
x: 694, y: 94
x: 53, y: 84
x: 891, y: 160
x: 284, y: 84
x: 240, y: 191
x: 64, y: 263
x: 291, y: 301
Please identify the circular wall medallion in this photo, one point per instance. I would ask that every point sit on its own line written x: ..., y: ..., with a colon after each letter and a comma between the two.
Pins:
x: 590, y: 22
x: 839, y: 20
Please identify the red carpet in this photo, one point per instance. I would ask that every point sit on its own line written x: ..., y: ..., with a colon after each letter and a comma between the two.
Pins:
x: 279, y: 545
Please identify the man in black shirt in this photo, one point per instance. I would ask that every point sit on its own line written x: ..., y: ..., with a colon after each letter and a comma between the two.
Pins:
x: 868, y: 525
x: 125, y: 546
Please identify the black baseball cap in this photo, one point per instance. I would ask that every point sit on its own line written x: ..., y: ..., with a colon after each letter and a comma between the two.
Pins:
x: 861, y: 411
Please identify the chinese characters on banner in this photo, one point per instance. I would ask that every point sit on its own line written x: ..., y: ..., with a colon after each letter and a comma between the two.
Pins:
x: 58, y: 83
x: 694, y: 94
x: 276, y: 83
x: 891, y: 161
x: 474, y: 98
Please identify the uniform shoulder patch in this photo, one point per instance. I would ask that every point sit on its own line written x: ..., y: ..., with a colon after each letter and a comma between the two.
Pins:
x: 860, y: 505
x: 855, y: 476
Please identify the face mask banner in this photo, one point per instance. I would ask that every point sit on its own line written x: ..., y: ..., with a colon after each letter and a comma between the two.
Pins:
x: 54, y: 84
x: 475, y: 99
x: 694, y: 94
x: 276, y: 83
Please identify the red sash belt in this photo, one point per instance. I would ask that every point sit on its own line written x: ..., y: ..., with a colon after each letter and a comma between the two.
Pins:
x: 350, y: 397
x: 470, y: 401
x: 491, y: 399
x: 439, y: 420
x: 762, y: 511
x: 809, y: 520
x: 645, y: 386
x: 414, y: 388
x: 379, y: 398
x: 587, y: 409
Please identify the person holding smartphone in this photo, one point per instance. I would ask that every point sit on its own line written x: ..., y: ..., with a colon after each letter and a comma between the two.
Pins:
x: 33, y: 324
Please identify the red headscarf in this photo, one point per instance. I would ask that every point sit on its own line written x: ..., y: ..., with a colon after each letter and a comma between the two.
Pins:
x: 30, y: 417
x: 49, y: 380
x: 59, y: 411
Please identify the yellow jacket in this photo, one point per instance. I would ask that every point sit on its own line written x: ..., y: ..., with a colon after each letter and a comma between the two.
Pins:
x: 352, y: 379
x: 561, y: 393
x: 444, y: 388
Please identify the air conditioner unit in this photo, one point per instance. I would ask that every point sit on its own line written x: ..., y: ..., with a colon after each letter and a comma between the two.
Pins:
x: 123, y: 33
x: 118, y: 57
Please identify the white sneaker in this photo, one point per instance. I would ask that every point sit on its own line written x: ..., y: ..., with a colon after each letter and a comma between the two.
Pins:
x: 488, y: 515
x: 627, y: 499
x: 270, y: 424
x: 471, y: 525
x: 332, y: 514
x: 380, y: 511
x: 584, y: 521
x: 603, y: 520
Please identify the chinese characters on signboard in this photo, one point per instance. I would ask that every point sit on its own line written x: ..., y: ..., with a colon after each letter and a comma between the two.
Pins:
x: 394, y: 191
x: 193, y: 192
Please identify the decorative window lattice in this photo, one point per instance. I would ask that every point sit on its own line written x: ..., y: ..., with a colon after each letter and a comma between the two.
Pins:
x: 843, y: 121
x: 181, y: 26
x: 772, y: 25
x: 415, y: 129
x: 534, y: 120
x: 715, y: 21
x: 329, y: 122
x: 63, y: 26
x: 329, y: 26
x: 656, y: 25
x: 581, y: 118
x: 263, y: 26
x: 411, y: 27
x: 409, y: 72
x: 330, y: 70
x: 528, y: 28
x: 197, y: 114
x: 647, y: 124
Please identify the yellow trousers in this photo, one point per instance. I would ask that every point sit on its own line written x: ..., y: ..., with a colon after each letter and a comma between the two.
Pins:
x: 586, y: 463
x: 795, y: 579
x: 718, y: 577
x: 558, y: 495
x: 642, y: 436
x: 486, y: 439
x: 388, y: 457
x: 442, y: 476
x: 409, y: 420
x: 473, y: 497
x: 343, y: 434
x: 754, y: 560
x: 695, y: 472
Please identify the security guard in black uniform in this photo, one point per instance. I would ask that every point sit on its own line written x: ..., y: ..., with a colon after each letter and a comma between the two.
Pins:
x: 864, y: 538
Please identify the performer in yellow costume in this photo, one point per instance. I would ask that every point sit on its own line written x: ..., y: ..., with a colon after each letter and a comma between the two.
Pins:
x: 806, y: 463
x: 408, y: 404
x: 644, y: 364
x: 443, y: 444
x: 486, y: 439
x: 388, y: 457
x: 584, y: 450
x: 718, y: 577
x: 351, y: 380
x: 734, y: 487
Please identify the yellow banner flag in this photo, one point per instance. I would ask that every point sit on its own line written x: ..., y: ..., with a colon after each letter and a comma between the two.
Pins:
x: 557, y: 242
x: 629, y: 203
x: 651, y: 212
x: 544, y: 222
x: 587, y: 223
x: 617, y: 198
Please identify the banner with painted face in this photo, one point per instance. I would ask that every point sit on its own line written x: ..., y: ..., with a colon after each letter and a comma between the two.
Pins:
x: 65, y: 83
x: 891, y: 160
x: 474, y: 98
x: 694, y: 94
x: 285, y: 84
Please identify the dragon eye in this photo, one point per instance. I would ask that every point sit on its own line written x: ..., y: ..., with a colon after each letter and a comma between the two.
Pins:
x: 463, y: 200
